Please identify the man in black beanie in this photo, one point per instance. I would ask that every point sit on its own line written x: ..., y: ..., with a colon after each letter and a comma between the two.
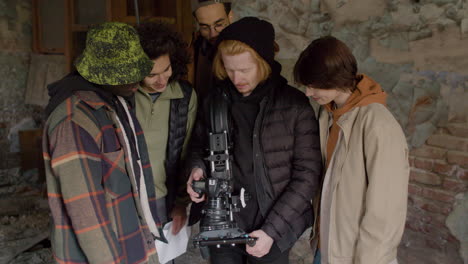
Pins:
x: 276, y: 148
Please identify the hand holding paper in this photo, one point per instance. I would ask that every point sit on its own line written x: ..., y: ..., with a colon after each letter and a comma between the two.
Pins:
x: 177, y: 244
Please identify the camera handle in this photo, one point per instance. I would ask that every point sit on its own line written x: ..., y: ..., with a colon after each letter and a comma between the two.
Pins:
x: 199, y: 187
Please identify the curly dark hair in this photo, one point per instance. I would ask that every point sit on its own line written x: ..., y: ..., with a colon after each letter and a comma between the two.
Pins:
x: 158, y: 38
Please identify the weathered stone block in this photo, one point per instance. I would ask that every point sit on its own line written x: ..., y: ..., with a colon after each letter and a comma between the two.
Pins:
x: 458, y: 109
x: 420, y: 132
x: 425, y: 33
x: 436, y: 208
x: 444, y: 22
x: 464, y: 28
x: 425, y: 177
x: 457, y: 157
x: 430, y: 12
x: 458, y: 130
x: 457, y: 224
x: 355, y: 40
x: 289, y: 22
x: 434, y: 219
x: 424, y: 164
x: 414, y: 224
x: 444, y: 168
x: 462, y: 174
x: 414, y: 189
x: 405, y: 15
x: 430, y: 205
x: 396, y: 41
x: 438, y: 2
x: 354, y: 11
x: 448, y: 142
x: 438, y: 195
x: 453, y: 185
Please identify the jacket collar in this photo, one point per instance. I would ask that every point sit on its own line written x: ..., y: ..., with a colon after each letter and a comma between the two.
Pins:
x: 62, y: 89
x: 93, y: 99
x: 345, y: 122
x: 173, y: 91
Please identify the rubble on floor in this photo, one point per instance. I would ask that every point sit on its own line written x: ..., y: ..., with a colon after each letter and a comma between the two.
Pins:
x: 25, y: 219
x: 24, y: 223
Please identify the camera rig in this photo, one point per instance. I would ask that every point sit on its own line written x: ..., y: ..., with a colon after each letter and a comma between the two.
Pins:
x: 217, y: 225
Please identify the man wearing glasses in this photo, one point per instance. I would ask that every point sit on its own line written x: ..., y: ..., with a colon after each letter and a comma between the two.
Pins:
x: 212, y: 17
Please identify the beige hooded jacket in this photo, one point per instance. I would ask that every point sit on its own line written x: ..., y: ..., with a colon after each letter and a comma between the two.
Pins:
x: 364, y: 196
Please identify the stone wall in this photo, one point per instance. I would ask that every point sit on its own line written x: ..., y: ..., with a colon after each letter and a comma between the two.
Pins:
x: 417, y: 50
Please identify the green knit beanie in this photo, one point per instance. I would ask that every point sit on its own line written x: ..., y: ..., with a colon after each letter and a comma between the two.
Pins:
x: 113, y: 55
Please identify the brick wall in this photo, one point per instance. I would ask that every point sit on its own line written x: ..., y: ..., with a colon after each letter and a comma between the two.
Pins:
x: 439, y: 177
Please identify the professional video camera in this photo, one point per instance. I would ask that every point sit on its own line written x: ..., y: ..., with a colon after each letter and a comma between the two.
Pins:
x: 217, y: 226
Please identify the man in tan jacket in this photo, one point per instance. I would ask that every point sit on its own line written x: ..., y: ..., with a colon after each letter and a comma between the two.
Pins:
x: 365, y: 187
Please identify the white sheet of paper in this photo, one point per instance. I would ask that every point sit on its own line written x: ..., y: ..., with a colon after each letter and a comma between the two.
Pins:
x: 176, y: 246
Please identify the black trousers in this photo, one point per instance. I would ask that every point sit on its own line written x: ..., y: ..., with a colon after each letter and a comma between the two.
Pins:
x: 238, y: 255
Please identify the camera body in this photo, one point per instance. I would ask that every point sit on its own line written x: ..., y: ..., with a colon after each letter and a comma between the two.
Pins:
x: 217, y: 225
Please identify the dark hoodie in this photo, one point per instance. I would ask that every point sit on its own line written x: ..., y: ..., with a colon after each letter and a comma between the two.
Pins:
x: 62, y: 89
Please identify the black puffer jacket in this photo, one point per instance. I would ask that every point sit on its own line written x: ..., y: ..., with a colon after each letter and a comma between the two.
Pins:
x: 287, y: 159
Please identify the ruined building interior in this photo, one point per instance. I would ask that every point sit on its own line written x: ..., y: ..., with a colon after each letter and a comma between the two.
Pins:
x: 416, y: 49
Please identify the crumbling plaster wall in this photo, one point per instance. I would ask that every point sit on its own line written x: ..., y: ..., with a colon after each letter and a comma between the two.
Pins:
x: 15, y: 50
x: 24, y: 216
x: 418, y: 51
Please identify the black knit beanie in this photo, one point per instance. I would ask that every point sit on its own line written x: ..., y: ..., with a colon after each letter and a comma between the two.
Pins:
x: 258, y: 34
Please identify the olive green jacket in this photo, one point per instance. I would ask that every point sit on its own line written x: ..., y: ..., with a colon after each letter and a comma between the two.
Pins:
x: 154, y: 119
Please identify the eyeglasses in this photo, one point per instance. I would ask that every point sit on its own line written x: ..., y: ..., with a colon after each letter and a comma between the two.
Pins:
x: 218, y: 27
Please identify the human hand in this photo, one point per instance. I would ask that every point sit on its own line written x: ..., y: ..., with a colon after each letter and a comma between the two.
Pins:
x: 195, y: 175
x: 262, y: 245
x: 179, y: 216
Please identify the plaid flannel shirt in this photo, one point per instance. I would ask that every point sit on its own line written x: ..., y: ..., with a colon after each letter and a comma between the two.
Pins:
x: 97, y: 215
